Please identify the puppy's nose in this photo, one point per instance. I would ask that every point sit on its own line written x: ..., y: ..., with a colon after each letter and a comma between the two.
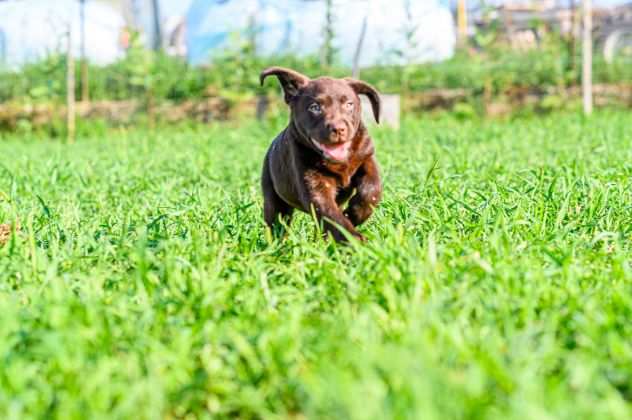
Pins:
x: 338, y: 129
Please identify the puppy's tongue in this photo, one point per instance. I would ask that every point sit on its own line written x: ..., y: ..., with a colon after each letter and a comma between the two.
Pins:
x: 337, y: 151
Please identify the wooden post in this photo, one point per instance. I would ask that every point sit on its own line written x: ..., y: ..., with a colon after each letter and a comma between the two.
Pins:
x: 157, y: 26
x: 252, y: 33
x: 3, y: 48
x: 70, y: 88
x: 85, y: 90
x: 358, y: 51
x: 462, y: 22
x: 571, y: 36
x: 327, y: 52
x: 587, y: 58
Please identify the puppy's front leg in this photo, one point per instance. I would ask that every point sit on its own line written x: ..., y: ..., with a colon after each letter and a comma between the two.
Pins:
x: 334, y: 221
x: 368, y: 192
x: 321, y: 196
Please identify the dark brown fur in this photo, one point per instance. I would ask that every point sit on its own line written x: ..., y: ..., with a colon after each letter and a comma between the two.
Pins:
x: 324, y: 157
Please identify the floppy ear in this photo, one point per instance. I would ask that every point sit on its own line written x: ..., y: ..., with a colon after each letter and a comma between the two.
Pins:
x: 291, y: 81
x: 363, y: 88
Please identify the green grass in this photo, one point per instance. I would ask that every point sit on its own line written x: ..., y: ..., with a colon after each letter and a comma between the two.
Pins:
x: 496, y: 282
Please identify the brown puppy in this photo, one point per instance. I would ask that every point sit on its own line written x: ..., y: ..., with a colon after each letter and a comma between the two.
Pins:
x: 324, y: 156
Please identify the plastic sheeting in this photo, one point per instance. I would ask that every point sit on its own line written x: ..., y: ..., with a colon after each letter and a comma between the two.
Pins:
x: 31, y: 30
x: 398, y: 31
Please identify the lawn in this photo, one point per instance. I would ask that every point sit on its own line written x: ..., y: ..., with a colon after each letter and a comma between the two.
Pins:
x: 496, y: 282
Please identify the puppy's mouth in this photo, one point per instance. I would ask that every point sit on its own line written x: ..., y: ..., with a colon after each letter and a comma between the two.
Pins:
x: 334, y: 152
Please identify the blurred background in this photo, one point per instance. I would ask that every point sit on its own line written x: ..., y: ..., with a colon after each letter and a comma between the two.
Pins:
x: 121, y: 61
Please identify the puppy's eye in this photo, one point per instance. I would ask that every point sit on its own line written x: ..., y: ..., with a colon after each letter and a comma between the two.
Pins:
x: 314, y: 108
x: 349, y: 105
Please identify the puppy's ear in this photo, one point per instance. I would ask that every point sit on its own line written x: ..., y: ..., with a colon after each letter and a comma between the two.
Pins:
x: 291, y: 81
x: 363, y: 88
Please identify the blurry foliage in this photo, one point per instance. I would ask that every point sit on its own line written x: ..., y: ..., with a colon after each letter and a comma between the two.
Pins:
x: 235, y: 74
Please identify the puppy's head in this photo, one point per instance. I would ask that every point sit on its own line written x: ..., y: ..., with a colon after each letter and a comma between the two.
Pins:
x: 325, y: 111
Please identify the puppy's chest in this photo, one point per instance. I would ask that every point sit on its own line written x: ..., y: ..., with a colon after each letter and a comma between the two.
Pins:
x: 341, y: 174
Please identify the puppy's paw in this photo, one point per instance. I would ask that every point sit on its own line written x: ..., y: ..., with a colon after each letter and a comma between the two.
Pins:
x: 360, y: 237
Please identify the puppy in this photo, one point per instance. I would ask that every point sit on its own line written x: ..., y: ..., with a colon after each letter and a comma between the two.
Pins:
x: 324, y: 157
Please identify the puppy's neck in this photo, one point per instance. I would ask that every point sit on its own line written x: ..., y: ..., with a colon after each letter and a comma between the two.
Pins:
x: 294, y: 132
